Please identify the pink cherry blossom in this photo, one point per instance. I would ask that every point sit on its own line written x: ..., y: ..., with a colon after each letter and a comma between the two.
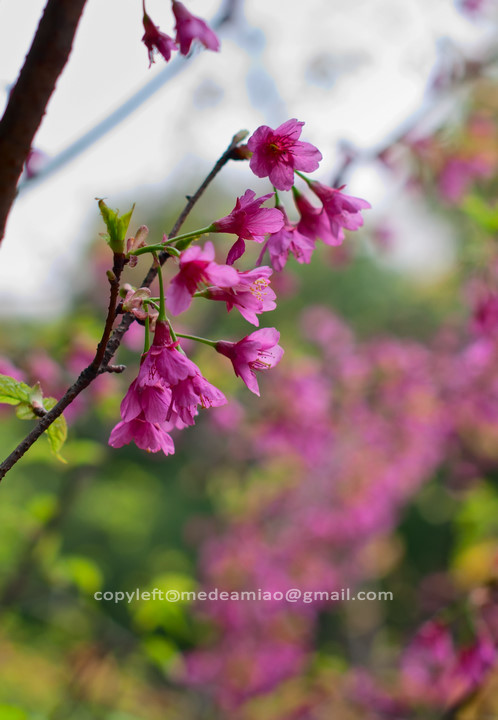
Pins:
x: 152, y: 400
x: 194, y: 391
x: 314, y: 222
x: 154, y: 40
x: 343, y: 211
x: 288, y: 240
x: 189, y: 27
x: 249, y: 221
x: 277, y: 153
x: 257, y: 351
x: 163, y: 362
x: 164, y: 396
x: 251, y: 295
x: 197, y: 266
x: 146, y: 435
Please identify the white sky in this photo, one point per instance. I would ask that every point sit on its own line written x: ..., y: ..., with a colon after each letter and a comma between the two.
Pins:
x: 352, y: 70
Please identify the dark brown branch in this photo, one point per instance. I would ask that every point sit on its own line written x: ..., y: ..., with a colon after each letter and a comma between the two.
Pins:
x: 109, y: 343
x: 30, y: 96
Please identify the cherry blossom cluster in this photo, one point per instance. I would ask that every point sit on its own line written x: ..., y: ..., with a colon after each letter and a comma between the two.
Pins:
x: 170, y: 388
x: 188, y: 29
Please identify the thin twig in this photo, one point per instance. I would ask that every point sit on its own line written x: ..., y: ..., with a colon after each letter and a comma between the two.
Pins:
x: 111, y: 340
x: 30, y: 96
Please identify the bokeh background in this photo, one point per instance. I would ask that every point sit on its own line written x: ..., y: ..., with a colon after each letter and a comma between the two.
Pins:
x: 370, y: 461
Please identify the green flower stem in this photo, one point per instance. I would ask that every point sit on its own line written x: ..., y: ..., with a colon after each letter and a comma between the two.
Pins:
x: 303, y: 177
x: 277, y: 198
x: 187, y: 236
x: 162, y: 305
x: 198, y: 339
x: 168, y: 245
x: 159, y: 247
x: 147, y: 335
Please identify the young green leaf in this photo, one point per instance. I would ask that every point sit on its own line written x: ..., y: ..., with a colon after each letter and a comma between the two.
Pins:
x: 57, y: 431
x: 13, y: 392
x: 56, y: 435
x: 117, y: 227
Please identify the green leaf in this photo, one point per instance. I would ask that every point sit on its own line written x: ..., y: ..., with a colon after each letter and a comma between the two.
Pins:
x: 24, y: 411
x: 12, y: 391
x: 49, y: 402
x: 56, y: 435
x: 117, y: 226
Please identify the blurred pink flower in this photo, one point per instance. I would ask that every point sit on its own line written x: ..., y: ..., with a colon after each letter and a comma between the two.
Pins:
x: 458, y: 174
x: 7, y: 368
x: 343, y: 211
x: 154, y: 40
x: 197, y: 266
x: 277, y: 153
x: 486, y: 315
x: 251, y: 295
x: 35, y: 162
x: 189, y: 28
x: 257, y: 351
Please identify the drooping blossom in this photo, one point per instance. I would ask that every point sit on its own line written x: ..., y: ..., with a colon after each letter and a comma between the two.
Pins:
x: 197, y: 266
x: 146, y: 435
x: 257, y: 351
x: 343, y: 211
x: 165, y: 395
x: 314, y: 222
x: 249, y: 221
x: 251, y: 295
x: 277, y: 153
x: 156, y: 41
x: 191, y: 392
x: 190, y: 27
x: 288, y: 240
